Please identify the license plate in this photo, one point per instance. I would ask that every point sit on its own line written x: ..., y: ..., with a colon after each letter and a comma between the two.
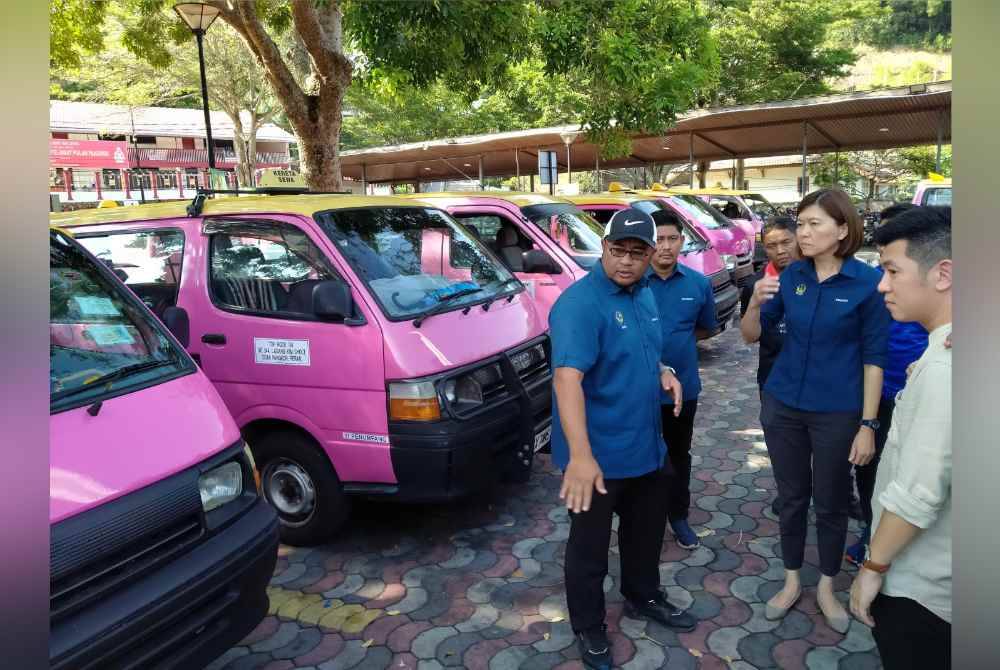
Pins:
x: 542, y: 438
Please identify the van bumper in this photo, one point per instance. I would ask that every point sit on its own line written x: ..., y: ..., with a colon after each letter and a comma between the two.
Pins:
x: 453, y: 458
x: 185, y: 614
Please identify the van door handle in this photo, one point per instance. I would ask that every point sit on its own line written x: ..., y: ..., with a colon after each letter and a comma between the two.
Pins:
x: 213, y: 338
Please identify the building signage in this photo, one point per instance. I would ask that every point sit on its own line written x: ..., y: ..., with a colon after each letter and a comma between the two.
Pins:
x: 88, y: 153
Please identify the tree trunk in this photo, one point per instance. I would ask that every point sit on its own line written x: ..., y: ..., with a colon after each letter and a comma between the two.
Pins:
x: 702, y: 173
x: 320, y: 159
x: 740, y: 178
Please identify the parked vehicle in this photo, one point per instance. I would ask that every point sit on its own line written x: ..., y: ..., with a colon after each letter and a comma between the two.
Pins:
x: 747, y: 209
x: 365, y: 346
x: 933, y: 191
x: 161, y: 545
x: 732, y: 242
x: 697, y: 253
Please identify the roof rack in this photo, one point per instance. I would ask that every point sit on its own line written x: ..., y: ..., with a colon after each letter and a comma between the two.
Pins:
x: 197, y: 204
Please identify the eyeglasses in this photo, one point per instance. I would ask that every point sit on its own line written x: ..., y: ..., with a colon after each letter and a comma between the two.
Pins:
x: 634, y: 254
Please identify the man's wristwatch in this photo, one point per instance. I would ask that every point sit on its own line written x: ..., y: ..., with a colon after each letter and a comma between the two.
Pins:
x: 871, y: 423
x: 665, y: 368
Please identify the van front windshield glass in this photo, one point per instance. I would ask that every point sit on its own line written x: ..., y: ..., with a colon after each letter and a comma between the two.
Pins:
x: 414, y: 259
x: 101, y: 342
x: 693, y: 241
x: 760, y: 206
x: 703, y: 213
x: 576, y: 232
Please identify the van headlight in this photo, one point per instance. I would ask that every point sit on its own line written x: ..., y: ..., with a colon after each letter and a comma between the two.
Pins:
x: 413, y: 401
x: 220, y: 485
x: 730, y: 261
x: 463, y: 391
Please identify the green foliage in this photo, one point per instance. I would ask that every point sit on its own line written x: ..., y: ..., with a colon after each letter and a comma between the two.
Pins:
x: 913, y: 23
x: 467, y: 43
x: 857, y: 172
x: 781, y: 49
x: 75, y: 30
x: 641, y: 62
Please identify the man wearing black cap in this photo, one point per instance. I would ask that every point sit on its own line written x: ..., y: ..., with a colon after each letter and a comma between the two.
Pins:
x: 606, y: 344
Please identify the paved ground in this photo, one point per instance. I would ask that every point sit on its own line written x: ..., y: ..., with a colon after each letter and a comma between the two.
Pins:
x: 480, y: 584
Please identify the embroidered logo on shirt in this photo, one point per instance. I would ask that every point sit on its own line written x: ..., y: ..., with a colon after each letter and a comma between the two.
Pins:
x: 840, y: 299
x: 687, y: 298
x: 620, y: 318
x: 800, y: 289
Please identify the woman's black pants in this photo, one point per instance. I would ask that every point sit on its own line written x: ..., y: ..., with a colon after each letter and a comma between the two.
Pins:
x: 809, y: 452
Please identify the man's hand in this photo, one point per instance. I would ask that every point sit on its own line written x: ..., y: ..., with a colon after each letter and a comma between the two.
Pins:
x: 866, y: 586
x: 863, y: 448
x: 672, y: 385
x: 582, y: 476
x: 764, y: 290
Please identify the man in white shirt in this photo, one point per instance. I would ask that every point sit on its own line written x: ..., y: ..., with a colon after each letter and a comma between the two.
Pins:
x: 903, y: 589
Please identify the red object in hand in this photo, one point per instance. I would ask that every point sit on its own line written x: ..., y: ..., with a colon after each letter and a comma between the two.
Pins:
x: 771, y: 271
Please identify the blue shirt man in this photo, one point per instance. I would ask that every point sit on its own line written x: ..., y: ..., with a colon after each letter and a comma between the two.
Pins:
x: 606, y: 347
x: 835, y: 329
x: 686, y: 306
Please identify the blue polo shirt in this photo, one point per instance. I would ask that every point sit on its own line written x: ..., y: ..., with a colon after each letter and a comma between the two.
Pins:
x: 833, y: 329
x: 907, y: 342
x: 611, y: 335
x: 685, y: 302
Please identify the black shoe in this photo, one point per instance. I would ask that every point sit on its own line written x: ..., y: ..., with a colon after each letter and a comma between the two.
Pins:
x: 662, y: 612
x: 595, y: 649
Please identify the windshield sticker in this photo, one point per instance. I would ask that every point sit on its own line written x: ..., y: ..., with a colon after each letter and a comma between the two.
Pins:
x: 280, y: 352
x: 366, y: 437
x: 109, y: 336
x: 96, y: 306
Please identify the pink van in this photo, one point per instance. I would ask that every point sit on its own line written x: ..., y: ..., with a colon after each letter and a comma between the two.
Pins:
x: 161, y: 545
x: 365, y: 346
x: 746, y: 209
x: 934, y: 191
x: 733, y: 243
x: 697, y: 252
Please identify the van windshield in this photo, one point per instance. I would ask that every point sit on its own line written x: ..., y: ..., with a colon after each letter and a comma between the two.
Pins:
x: 579, y: 235
x: 413, y: 259
x: 937, y: 197
x: 101, y: 342
x: 760, y: 206
x: 693, y: 240
x: 703, y: 213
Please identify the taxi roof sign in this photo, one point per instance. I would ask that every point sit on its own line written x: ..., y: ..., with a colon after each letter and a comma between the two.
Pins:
x: 275, y: 179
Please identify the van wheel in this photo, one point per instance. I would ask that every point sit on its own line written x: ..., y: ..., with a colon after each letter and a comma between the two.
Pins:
x: 302, y: 486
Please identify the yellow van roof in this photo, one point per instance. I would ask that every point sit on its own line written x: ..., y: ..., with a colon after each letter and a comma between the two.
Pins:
x: 518, y: 198
x: 616, y: 198
x: 306, y: 205
x: 712, y: 191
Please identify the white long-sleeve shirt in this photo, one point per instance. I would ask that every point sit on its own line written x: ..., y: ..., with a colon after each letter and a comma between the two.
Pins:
x: 914, y: 480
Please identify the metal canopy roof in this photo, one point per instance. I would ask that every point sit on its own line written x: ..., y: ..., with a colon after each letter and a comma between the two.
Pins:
x: 897, y: 117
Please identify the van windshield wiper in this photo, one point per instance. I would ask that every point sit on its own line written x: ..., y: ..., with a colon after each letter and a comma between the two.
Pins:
x: 120, y: 373
x: 443, y: 304
x: 500, y: 289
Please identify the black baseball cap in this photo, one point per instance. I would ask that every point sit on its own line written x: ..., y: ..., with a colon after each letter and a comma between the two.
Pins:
x: 630, y: 223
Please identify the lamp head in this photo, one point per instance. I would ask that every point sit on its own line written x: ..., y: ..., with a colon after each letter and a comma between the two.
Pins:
x: 197, y: 15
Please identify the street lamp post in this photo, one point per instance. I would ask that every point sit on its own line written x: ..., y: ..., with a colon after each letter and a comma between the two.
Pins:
x: 199, y: 17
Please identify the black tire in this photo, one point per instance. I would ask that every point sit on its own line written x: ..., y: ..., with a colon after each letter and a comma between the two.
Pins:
x: 283, y: 459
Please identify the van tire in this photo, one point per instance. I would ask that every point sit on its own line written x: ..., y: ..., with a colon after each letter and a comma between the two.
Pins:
x: 285, y: 459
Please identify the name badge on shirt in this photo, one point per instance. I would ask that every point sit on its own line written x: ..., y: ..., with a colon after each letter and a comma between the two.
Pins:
x: 688, y: 299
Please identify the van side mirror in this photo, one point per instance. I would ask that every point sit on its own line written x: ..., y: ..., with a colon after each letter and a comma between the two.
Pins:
x: 332, y: 300
x: 177, y: 322
x: 538, y: 261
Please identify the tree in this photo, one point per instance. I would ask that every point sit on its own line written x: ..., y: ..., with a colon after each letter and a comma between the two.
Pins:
x: 860, y: 173
x: 462, y: 40
x: 235, y: 84
x: 782, y: 49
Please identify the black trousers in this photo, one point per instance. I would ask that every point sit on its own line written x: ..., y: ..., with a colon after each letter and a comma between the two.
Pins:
x: 909, y: 636
x: 864, y: 475
x: 809, y: 453
x: 641, y: 508
x: 677, y: 433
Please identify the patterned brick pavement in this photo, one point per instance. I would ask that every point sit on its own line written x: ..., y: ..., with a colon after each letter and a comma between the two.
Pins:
x: 479, y: 584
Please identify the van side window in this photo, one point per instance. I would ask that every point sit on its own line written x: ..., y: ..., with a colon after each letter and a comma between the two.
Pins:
x: 266, y: 269
x: 484, y: 226
x: 149, y: 262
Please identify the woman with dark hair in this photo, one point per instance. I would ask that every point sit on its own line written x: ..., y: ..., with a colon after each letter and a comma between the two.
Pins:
x: 821, y: 399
